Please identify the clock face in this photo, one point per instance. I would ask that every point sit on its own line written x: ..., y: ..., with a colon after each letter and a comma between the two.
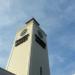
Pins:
x: 40, y: 34
x: 23, y: 32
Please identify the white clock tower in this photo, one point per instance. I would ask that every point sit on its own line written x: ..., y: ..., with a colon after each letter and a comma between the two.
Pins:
x: 29, y: 54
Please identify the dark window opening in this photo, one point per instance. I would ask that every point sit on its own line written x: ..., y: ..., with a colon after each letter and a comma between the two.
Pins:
x: 40, y: 70
x: 40, y: 42
x: 23, y: 39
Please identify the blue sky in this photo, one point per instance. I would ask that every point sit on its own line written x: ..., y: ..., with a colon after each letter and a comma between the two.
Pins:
x: 56, y: 17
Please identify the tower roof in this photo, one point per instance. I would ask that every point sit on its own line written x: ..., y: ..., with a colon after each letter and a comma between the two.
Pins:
x: 34, y: 20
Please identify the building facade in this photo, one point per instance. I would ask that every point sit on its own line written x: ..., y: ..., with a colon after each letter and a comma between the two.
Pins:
x: 29, y: 54
x: 5, y: 72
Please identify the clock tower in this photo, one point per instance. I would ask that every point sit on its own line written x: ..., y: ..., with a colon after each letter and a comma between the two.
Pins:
x: 29, y: 55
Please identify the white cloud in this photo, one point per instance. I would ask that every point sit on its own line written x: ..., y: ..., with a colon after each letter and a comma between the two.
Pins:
x: 4, y: 12
x: 3, y: 61
x: 8, y: 15
x: 1, y: 44
x: 55, y: 59
x: 67, y: 41
x: 4, y: 5
x: 3, y: 50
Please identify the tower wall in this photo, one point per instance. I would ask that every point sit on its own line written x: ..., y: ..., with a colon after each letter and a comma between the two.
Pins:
x: 19, y: 59
x: 39, y: 55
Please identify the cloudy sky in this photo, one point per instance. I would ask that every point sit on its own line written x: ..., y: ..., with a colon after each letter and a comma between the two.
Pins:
x: 57, y: 19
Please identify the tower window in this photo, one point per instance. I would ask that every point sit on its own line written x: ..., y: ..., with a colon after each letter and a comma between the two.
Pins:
x: 40, y: 70
x: 23, y: 32
x: 23, y: 39
x: 40, y: 34
x: 40, y: 42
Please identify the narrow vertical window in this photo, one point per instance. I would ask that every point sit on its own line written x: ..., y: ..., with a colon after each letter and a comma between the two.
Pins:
x: 40, y: 70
